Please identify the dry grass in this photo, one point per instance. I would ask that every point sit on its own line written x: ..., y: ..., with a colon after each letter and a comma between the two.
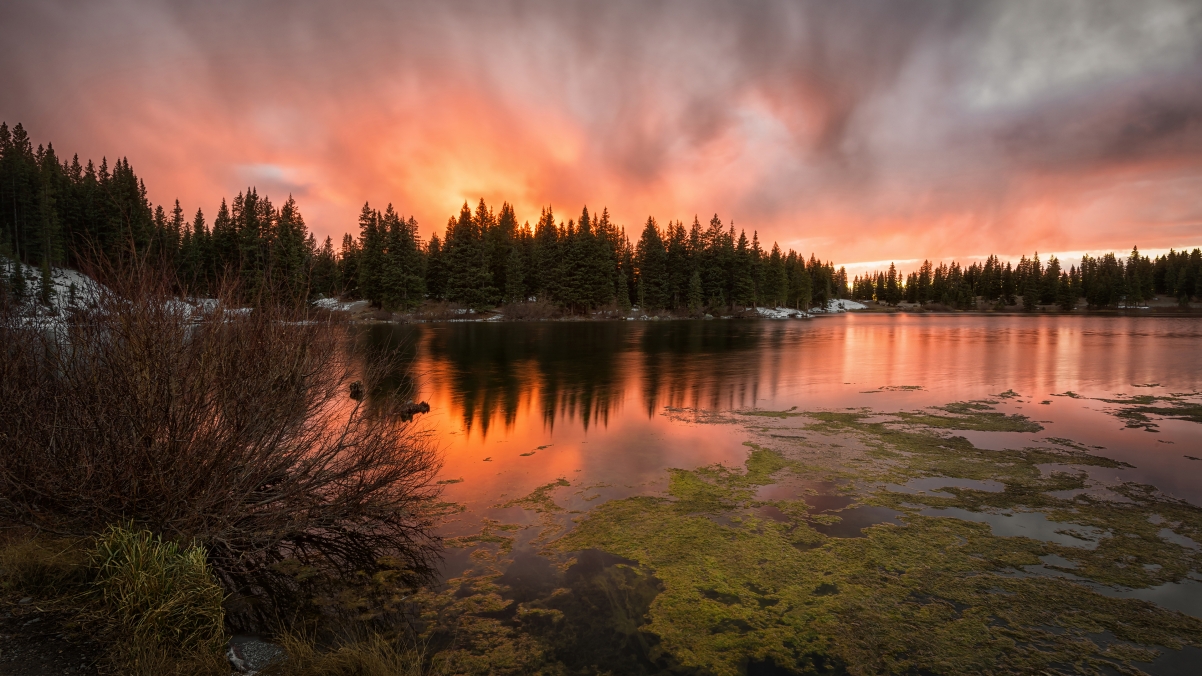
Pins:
x: 41, y: 566
x: 373, y: 655
x: 154, y: 605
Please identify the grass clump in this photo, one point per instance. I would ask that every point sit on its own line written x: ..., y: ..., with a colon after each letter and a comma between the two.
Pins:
x: 374, y: 655
x: 159, y: 592
x: 154, y: 605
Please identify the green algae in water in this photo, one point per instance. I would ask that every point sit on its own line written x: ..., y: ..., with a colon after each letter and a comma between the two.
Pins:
x: 937, y: 595
x: 1137, y: 411
x: 539, y: 500
x: 706, y: 578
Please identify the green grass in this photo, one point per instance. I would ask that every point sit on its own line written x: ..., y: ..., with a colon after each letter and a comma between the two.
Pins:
x: 160, y: 592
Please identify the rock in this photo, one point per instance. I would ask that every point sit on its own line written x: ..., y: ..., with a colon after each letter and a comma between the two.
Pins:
x: 249, y: 654
x: 411, y: 409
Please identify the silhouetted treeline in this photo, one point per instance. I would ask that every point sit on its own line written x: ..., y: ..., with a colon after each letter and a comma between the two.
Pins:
x: 1103, y: 281
x: 65, y: 213
x: 485, y: 259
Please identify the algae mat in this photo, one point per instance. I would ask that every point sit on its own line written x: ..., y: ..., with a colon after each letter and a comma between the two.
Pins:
x: 855, y: 541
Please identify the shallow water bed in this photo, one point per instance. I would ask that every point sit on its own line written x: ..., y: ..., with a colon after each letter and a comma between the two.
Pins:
x: 777, y: 562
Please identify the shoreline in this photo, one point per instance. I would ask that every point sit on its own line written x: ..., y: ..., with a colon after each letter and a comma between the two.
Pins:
x: 496, y: 316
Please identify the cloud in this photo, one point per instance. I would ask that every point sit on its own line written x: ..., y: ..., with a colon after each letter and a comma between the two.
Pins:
x: 861, y: 130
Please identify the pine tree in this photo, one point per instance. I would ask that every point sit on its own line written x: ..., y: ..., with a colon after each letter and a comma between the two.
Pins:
x: 469, y: 281
x: 348, y: 267
x: 403, y: 277
x: 547, y: 258
x: 695, y: 298
x: 371, y: 256
x: 1031, y: 292
x: 623, y: 292
x: 776, y: 280
x: 742, y: 284
x: 436, y: 269
x: 1065, y: 296
x: 757, y: 269
x: 800, y: 289
x: 892, y: 289
x: 325, y: 270
x: 290, y: 252
x: 652, y: 263
x: 679, y: 265
x: 602, y: 262
x: 515, y: 276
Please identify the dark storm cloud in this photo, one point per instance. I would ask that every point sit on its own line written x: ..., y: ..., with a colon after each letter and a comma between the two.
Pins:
x: 799, y: 118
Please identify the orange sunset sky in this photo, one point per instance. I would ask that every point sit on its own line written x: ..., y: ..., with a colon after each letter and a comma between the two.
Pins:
x: 860, y: 131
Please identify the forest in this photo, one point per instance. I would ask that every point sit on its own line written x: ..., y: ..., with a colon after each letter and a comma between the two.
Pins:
x: 1103, y: 281
x: 64, y: 213
x: 58, y: 212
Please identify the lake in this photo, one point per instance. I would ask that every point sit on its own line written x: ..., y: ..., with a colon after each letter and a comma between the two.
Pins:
x: 550, y: 431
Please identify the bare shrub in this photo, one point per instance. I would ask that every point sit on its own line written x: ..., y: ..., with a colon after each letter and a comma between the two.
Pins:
x: 229, y: 427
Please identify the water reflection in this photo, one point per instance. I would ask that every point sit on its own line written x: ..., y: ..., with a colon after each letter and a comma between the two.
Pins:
x: 571, y: 371
x: 584, y: 373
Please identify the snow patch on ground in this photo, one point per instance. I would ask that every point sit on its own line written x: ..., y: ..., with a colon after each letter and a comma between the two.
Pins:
x: 69, y: 289
x: 843, y: 305
x: 780, y: 313
x: 336, y: 305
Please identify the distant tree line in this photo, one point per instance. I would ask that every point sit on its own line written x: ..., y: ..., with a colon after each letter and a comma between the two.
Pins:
x: 63, y: 213
x: 485, y: 258
x: 1102, y: 281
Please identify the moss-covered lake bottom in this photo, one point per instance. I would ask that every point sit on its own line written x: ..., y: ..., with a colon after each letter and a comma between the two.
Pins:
x: 854, y: 541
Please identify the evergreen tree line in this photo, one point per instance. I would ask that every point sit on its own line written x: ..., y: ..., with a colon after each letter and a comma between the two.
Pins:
x: 1103, y: 281
x: 485, y: 258
x: 64, y: 213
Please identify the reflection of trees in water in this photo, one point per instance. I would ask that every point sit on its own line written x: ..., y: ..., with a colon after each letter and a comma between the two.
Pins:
x: 704, y: 364
x: 580, y: 369
x: 490, y: 367
x: 393, y: 347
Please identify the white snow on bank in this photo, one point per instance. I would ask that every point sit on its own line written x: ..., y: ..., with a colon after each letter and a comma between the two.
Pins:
x: 780, y: 313
x: 843, y: 305
x: 336, y: 305
x: 68, y: 288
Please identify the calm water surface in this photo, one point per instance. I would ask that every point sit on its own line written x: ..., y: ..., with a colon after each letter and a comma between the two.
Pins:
x: 517, y: 405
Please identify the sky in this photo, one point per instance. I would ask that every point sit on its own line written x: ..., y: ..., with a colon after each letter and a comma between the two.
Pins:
x: 862, y: 131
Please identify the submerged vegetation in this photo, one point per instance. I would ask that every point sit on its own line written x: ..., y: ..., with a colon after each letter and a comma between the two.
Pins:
x: 861, y: 542
x: 1137, y: 411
